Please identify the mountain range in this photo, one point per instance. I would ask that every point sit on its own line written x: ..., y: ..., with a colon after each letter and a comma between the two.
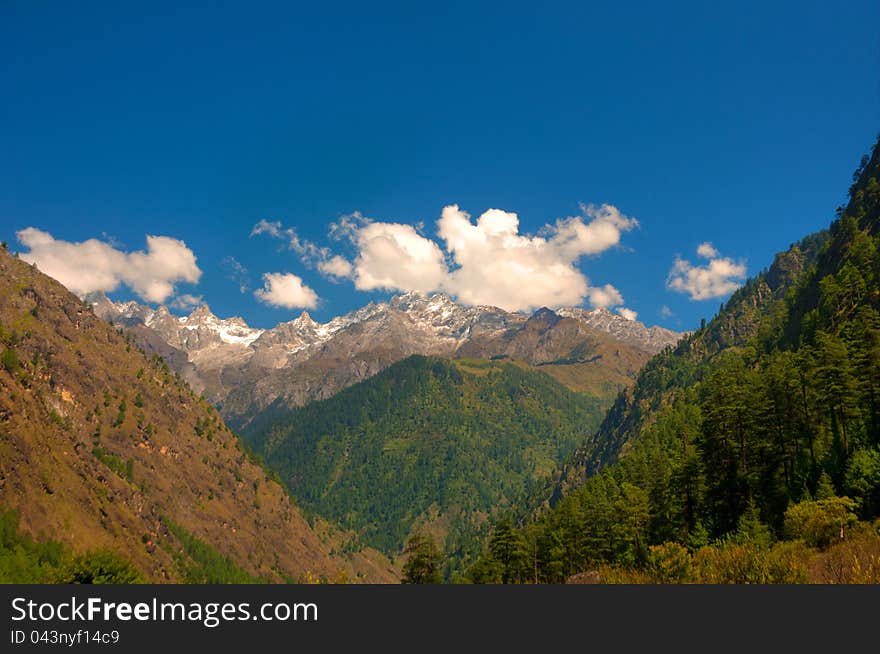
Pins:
x: 152, y: 471
x: 564, y: 445
x: 243, y: 370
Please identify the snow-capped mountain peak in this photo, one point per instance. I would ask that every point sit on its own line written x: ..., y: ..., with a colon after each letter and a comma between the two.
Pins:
x: 242, y: 367
x: 435, y: 316
x: 305, y: 321
x: 232, y: 331
x: 635, y: 333
x: 225, y: 353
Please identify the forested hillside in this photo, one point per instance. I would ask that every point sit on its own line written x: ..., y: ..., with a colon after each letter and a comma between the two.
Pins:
x: 750, y: 452
x: 428, y: 442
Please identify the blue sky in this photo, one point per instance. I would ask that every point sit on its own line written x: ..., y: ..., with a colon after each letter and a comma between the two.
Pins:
x: 737, y: 126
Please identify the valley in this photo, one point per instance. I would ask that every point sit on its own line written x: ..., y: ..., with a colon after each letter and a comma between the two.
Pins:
x: 558, y: 445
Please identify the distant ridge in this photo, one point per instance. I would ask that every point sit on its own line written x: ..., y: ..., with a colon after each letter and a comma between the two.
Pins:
x: 243, y: 369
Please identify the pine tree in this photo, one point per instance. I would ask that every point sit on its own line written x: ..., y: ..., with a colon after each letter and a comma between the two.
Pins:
x: 423, y: 560
x: 824, y: 487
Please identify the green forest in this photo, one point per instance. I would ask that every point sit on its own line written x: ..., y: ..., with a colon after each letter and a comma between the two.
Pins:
x: 748, y: 453
x: 24, y: 560
x: 426, y: 442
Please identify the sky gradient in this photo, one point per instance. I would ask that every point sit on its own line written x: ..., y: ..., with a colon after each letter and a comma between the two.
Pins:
x: 659, y: 130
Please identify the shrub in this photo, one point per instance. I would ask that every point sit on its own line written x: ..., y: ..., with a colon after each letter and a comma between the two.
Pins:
x: 23, y: 560
x: 669, y: 563
x: 748, y: 563
x: 98, y: 568
x: 200, y: 563
x: 124, y: 469
x: 863, y: 480
x: 854, y: 561
x: 9, y: 360
x: 731, y: 563
x: 820, y: 522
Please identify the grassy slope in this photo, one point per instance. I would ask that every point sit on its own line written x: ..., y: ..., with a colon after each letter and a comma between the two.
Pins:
x: 99, y: 445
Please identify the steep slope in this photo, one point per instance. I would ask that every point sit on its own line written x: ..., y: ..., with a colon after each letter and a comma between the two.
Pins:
x: 764, y: 425
x: 632, y: 332
x: 103, y: 447
x: 427, y: 441
x: 568, y: 349
x: 662, y: 380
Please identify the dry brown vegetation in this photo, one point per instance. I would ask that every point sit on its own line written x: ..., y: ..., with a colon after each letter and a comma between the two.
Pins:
x: 100, y: 445
x: 855, y: 560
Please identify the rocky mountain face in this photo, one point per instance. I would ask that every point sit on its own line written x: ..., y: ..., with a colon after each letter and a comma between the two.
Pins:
x: 102, y: 447
x: 243, y: 370
x: 632, y: 332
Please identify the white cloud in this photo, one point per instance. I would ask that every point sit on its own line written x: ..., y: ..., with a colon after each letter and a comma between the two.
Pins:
x: 286, y: 290
x: 308, y: 251
x: 311, y: 255
x: 629, y: 314
x: 575, y: 237
x: 605, y: 297
x: 495, y: 264
x: 488, y: 261
x: 95, y: 265
x: 346, y: 226
x: 336, y: 266
x: 720, y: 277
x: 395, y: 256
x: 237, y: 273
x: 272, y: 228
x: 706, y: 251
x: 665, y: 312
x: 186, y: 301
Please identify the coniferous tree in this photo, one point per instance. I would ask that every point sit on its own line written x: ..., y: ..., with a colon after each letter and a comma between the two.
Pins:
x: 763, y: 424
x: 423, y: 560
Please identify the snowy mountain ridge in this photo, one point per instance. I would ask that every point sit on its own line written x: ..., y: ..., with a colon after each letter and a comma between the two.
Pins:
x: 240, y: 366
